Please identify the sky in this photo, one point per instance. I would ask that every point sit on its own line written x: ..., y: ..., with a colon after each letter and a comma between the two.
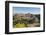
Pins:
x: 32, y: 10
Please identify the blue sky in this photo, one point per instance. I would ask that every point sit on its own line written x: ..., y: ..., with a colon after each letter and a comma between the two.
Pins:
x: 32, y: 10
